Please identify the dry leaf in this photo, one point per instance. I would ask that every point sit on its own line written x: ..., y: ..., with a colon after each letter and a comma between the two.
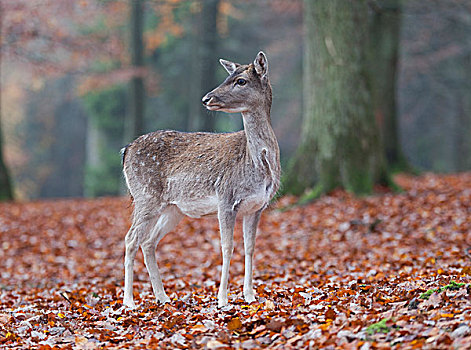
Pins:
x: 330, y: 314
x: 269, y: 305
x: 234, y: 324
x: 275, y: 325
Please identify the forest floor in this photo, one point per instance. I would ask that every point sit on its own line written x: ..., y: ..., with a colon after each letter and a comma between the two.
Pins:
x: 390, y: 270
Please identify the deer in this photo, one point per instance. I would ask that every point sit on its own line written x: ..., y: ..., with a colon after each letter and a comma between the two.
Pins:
x: 172, y: 174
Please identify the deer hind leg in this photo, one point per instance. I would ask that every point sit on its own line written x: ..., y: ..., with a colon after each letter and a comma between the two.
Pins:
x: 169, y: 218
x: 133, y: 238
x: 226, y: 226
x: 250, y: 231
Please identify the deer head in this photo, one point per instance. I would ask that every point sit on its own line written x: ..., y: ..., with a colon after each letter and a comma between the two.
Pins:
x: 244, y: 88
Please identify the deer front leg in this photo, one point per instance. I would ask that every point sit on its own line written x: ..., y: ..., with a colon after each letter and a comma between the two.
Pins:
x: 226, y: 218
x: 250, y: 231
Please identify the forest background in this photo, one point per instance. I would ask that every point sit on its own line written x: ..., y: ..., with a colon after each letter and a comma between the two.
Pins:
x: 80, y: 79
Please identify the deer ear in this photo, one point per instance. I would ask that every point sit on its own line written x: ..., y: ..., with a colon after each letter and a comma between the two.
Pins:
x: 261, y: 65
x: 230, y: 67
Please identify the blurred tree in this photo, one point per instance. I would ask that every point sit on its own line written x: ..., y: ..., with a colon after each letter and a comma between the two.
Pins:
x: 383, y: 69
x: 340, y: 144
x: 208, y: 47
x: 203, y: 64
x: 462, y: 132
x: 106, y: 110
x: 53, y: 133
x: 44, y: 40
x: 6, y: 192
x: 194, y: 81
x: 435, y: 84
x: 134, y: 125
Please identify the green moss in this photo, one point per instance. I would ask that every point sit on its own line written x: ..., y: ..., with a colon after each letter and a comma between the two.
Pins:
x: 292, y: 184
x: 378, y: 327
x: 428, y: 293
x: 359, y: 183
x: 311, y: 195
x: 390, y: 183
x: 452, y: 286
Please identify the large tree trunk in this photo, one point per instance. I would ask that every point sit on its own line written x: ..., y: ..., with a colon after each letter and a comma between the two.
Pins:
x: 384, y: 53
x: 134, y: 125
x: 462, y: 143
x: 340, y: 141
x: 6, y: 192
x: 462, y: 139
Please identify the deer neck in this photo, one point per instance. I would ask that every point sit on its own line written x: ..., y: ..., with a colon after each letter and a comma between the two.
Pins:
x: 260, y: 135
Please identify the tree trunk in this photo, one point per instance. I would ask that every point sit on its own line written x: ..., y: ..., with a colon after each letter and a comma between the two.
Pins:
x: 202, y: 64
x: 134, y: 125
x: 462, y: 139
x: 195, y: 115
x: 6, y: 192
x: 209, y: 39
x: 384, y: 53
x: 340, y: 141
x: 94, y: 157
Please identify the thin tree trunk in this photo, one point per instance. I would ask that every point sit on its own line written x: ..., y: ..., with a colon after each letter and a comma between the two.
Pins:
x: 93, y: 148
x: 384, y: 54
x: 340, y: 141
x: 6, y: 192
x: 209, y: 39
x: 134, y: 125
x: 195, y: 115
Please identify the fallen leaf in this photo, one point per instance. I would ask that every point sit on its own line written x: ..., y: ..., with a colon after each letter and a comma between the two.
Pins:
x: 275, y: 325
x: 234, y: 324
x: 433, y: 301
x: 330, y: 314
x: 4, y: 318
x: 269, y: 305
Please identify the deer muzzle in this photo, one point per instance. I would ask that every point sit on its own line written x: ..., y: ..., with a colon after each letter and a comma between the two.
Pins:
x: 211, y: 101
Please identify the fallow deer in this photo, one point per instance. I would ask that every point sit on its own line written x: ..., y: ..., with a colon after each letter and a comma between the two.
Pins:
x: 171, y: 174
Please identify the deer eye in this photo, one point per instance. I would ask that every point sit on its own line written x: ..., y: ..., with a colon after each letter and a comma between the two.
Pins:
x: 241, y: 82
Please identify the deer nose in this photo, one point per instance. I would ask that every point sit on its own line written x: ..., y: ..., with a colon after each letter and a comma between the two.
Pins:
x: 206, y: 98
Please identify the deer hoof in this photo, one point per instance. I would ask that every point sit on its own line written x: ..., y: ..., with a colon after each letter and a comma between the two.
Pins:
x: 249, y: 297
x: 129, y: 304
x: 163, y: 299
x: 222, y: 302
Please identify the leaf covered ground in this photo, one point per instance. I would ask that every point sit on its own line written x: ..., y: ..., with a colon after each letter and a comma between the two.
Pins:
x: 390, y: 270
